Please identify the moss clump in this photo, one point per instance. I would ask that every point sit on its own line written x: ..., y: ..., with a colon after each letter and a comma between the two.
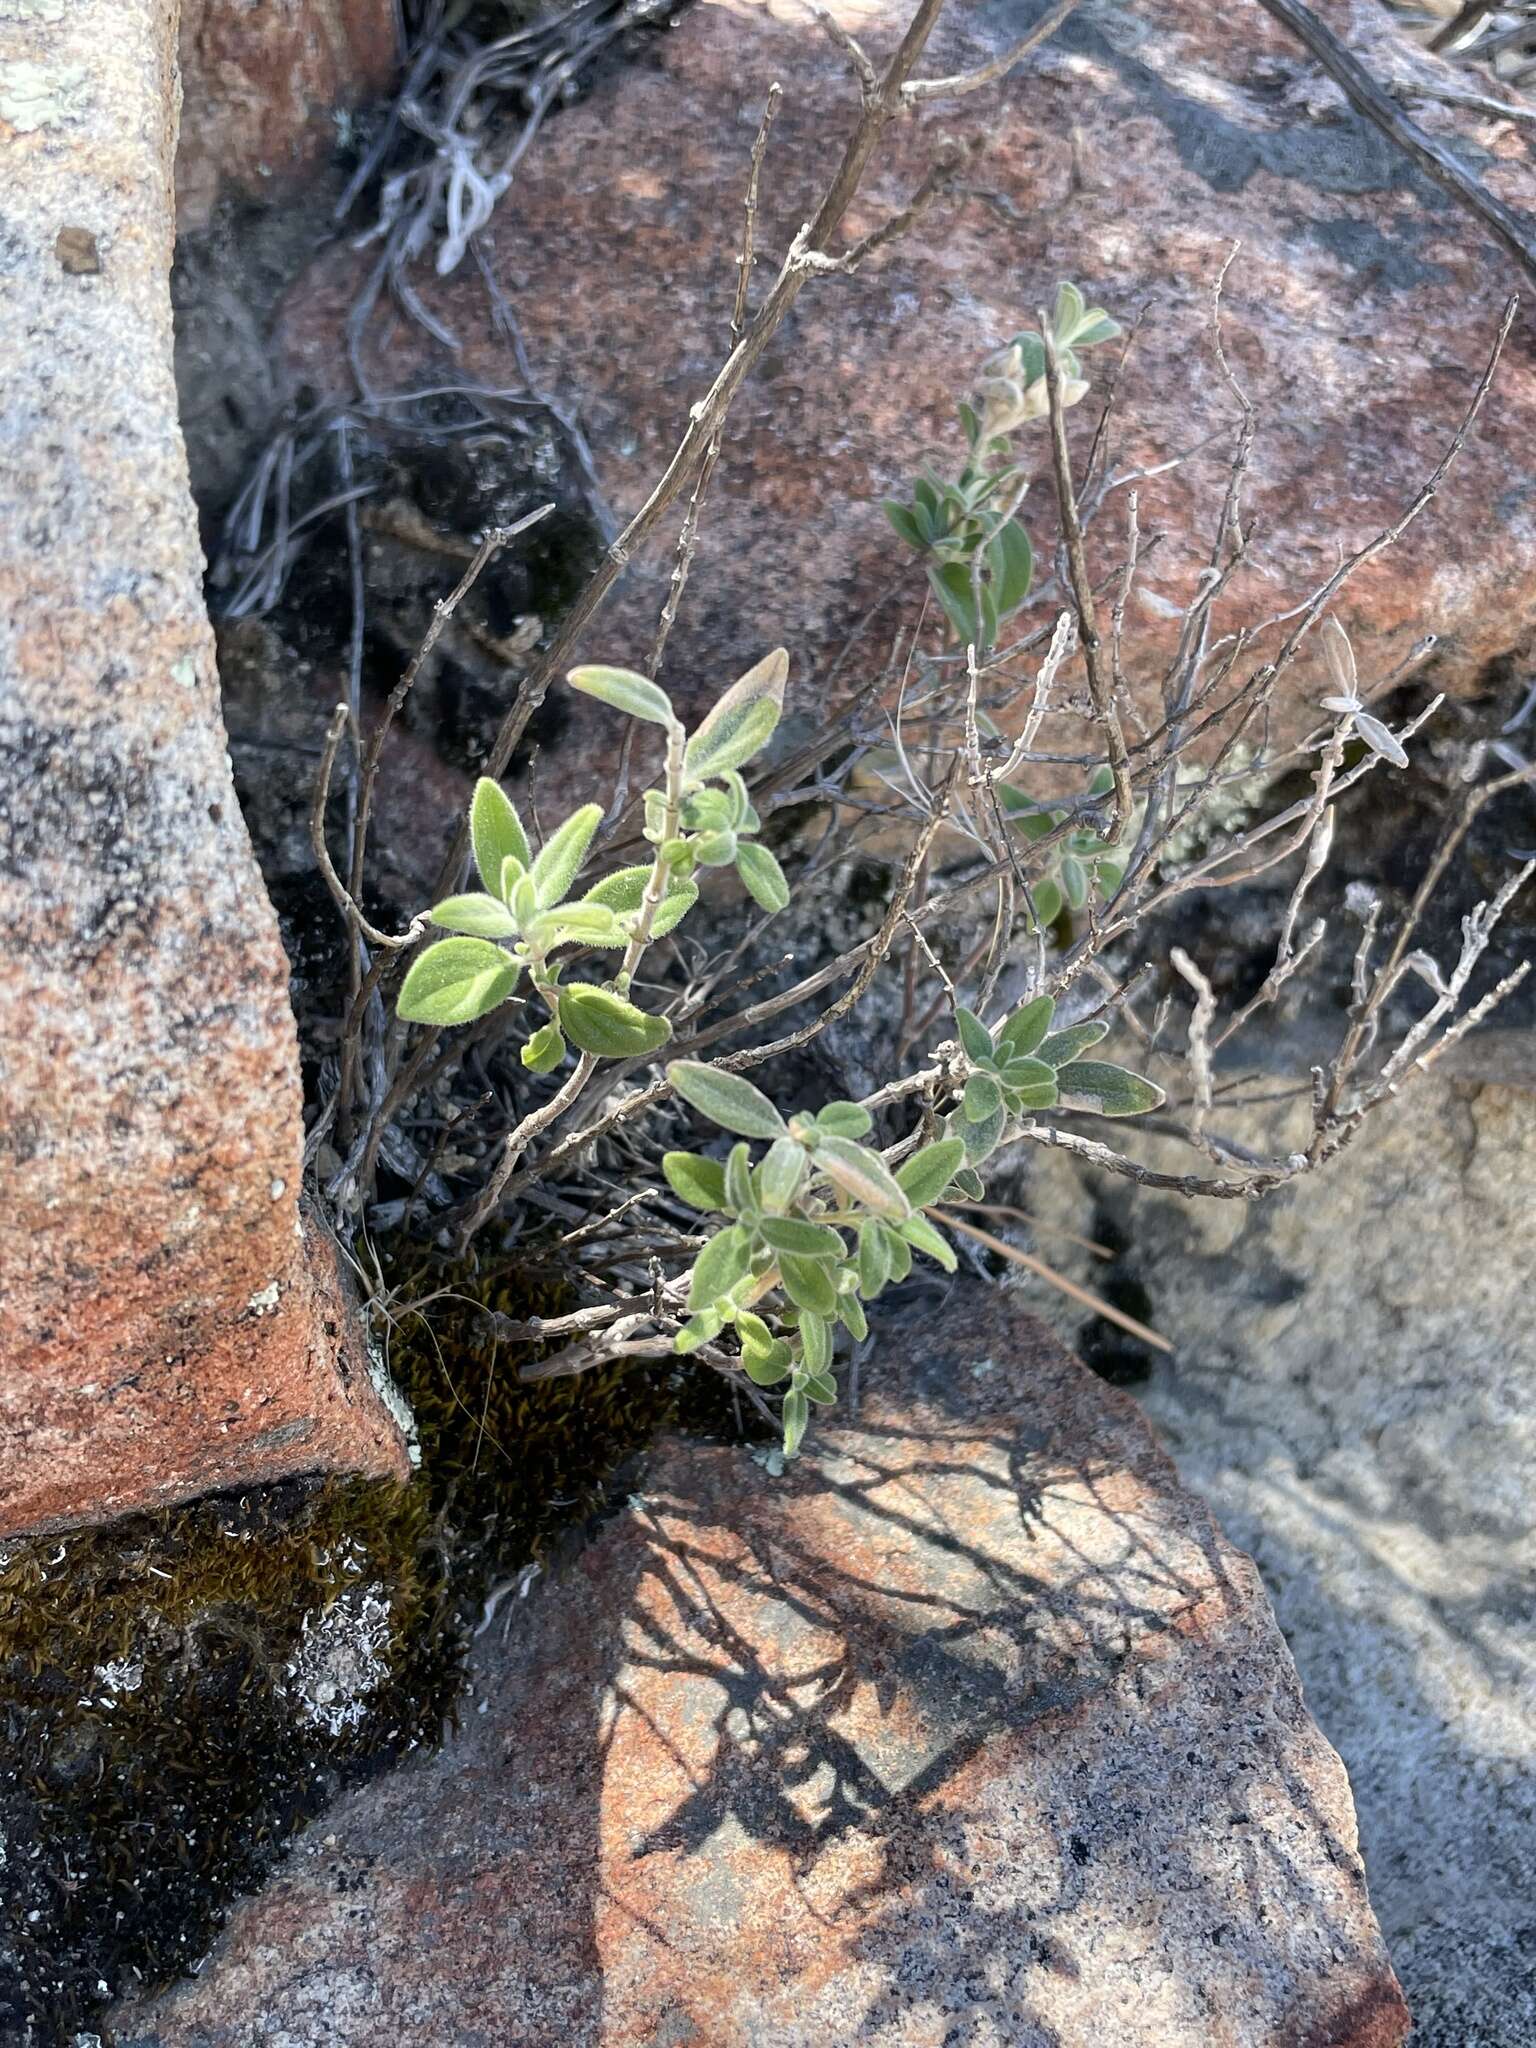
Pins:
x: 179, y: 1692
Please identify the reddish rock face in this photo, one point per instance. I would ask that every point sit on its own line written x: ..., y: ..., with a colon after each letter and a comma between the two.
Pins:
x: 1130, y: 154
x: 164, y: 1326
x: 261, y: 83
x: 972, y: 1728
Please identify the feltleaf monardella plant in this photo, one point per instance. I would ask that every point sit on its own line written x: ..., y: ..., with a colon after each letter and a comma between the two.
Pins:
x: 823, y: 1222
x: 980, y: 562
x: 525, y: 913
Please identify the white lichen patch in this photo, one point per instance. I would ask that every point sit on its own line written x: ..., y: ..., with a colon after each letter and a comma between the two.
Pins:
x: 122, y: 1674
x: 265, y: 1299
x: 399, y: 1408
x: 341, y: 1660
x: 31, y: 10
x: 34, y: 96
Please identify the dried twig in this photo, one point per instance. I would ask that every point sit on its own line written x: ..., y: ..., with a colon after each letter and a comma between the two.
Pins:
x: 1431, y: 156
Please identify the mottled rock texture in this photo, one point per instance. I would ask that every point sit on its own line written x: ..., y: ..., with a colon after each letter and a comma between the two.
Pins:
x: 163, y: 1326
x: 973, y: 1728
x: 1130, y: 154
x: 263, y: 80
x: 1354, y: 1391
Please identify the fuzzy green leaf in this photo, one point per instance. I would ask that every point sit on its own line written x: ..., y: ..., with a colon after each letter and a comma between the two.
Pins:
x: 456, y: 981
x: 903, y: 521
x: 805, y: 1240
x: 625, y: 691
x: 699, y: 1181
x: 624, y: 890
x: 851, y: 1314
x: 821, y: 1388
x: 975, y: 1038
x: 862, y: 1174
x: 561, y: 856
x: 699, y: 1331
x: 1109, y: 1090
x: 575, y: 924
x: 898, y: 1252
x: 874, y: 1265
x: 1064, y: 1046
x: 723, y: 1261
x: 495, y: 830
x: 742, y: 722
x: 768, y: 1368
x: 1012, y: 562
x: 1042, y: 1096
x: 925, y: 1176
x: 483, y: 917
x: 808, y: 1283
x: 1026, y: 1028
x: 981, y: 1099
x: 1028, y: 1073
x: 815, y: 1342
x: 739, y: 1193
x: 781, y: 1174
x: 727, y: 1100
x: 761, y: 876
x: 845, y: 1120
x: 1047, y: 900
x: 796, y: 1415
x: 918, y: 1231
x: 951, y: 583
x: 608, y: 1026
x: 981, y: 1138
x: 544, y: 1050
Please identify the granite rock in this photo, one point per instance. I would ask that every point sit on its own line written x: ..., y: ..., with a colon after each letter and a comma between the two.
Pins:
x: 165, y: 1325
x: 1353, y: 1390
x: 1130, y: 153
x: 972, y: 1728
x: 262, y: 85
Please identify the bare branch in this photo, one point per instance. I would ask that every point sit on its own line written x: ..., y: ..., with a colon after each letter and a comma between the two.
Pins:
x: 922, y: 89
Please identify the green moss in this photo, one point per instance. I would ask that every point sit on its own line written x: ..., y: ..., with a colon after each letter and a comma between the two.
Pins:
x: 180, y: 1691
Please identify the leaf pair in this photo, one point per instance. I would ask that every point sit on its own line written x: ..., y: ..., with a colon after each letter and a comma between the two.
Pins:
x: 1024, y: 1067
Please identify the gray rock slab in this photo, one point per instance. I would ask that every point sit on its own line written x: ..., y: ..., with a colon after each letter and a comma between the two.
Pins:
x: 972, y: 1729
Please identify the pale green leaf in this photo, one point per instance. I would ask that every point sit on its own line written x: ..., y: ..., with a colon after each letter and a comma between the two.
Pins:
x: 742, y: 722
x: 762, y: 876
x: 723, y: 1261
x: 561, y: 856
x: 633, y: 694
x: 862, y: 1174
x: 1109, y: 1090
x: 607, y: 1025
x: 699, y: 1181
x: 845, y: 1120
x: 981, y: 1099
x: 804, y: 1239
x: 925, y: 1176
x: 781, y: 1173
x: 495, y: 830
x: 456, y: 981
x: 1064, y: 1046
x: 797, y: 1414
x: 1026, y: 1028
x: 920, y: 1233
x: 975, y: 1038
x: 483, y: 917
x: 727, y: 1100
x: 808, y: 1284
x: 544, y: 1050
x: 815, y: 1342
